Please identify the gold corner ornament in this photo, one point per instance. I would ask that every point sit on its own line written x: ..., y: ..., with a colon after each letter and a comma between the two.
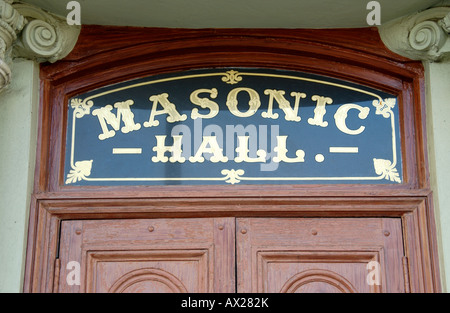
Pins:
x: 385, y: 168
x: 384, y: 107
x: 79, y: 171
x: 80, y: 107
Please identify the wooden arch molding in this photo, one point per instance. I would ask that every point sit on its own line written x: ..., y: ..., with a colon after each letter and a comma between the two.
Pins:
x: 107, y: 55
x: 318, y: 276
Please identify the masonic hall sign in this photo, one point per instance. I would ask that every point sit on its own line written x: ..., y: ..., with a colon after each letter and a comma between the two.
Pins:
x: 233, y: 126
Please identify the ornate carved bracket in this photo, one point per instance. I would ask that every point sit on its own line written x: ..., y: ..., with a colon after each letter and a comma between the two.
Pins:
x: 422, y: 36
x: 27, y: 31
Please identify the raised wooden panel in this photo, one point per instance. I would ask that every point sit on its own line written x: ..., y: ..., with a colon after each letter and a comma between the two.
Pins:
x: 149, y: 271
x: 320, y: 271
x: 318, y: 281
x: 149, y: 255
x: 319, y: 255
x: 148, y: 280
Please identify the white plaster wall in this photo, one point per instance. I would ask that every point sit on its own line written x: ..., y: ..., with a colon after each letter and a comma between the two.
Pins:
x: 438, y: 129
x: 18, y: 127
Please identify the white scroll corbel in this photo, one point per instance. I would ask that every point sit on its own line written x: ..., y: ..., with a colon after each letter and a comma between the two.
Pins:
x: 422, y: 36
x: 29, y: 32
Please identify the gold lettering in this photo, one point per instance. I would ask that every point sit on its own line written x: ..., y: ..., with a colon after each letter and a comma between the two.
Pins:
x: 123, y: 114
x: 254, y: 102
x: 242, y: 151
x: 291, y: 114
x: 161, y: 149
x: 168, y: 108
x: 282, y: 152
x: 209, y: 145
x: 204, y: 103
x: 341, y: 116
x: 319, y: 111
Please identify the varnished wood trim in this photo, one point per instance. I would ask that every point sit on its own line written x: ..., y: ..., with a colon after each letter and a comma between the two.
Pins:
x: 420, y: 249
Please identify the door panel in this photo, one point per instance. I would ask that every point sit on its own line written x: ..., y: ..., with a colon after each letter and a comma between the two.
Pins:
x: 319, y: 255
x: 198, y: 255
x: 152, y: 255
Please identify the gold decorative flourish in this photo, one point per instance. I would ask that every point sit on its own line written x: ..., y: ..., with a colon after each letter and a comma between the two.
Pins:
x: 384, y: 107
x: 232, y: 176
x: 80, y: 171
x: 80, y: 107
x: 232, y: 77
x: 386, y: 170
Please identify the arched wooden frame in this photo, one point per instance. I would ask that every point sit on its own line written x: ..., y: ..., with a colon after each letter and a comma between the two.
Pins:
x: 107, y: 55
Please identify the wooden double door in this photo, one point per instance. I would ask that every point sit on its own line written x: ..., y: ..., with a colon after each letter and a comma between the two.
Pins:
x: 232, y: 255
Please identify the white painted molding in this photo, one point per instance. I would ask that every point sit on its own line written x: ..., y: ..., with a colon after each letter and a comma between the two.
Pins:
x: 27, y: 31
x: 422, y: 36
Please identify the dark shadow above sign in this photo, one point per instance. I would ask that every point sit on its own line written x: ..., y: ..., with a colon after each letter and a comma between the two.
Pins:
x: 233, y: 126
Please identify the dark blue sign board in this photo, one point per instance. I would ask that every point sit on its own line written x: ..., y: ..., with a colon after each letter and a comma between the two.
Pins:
x: 233, y: 126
